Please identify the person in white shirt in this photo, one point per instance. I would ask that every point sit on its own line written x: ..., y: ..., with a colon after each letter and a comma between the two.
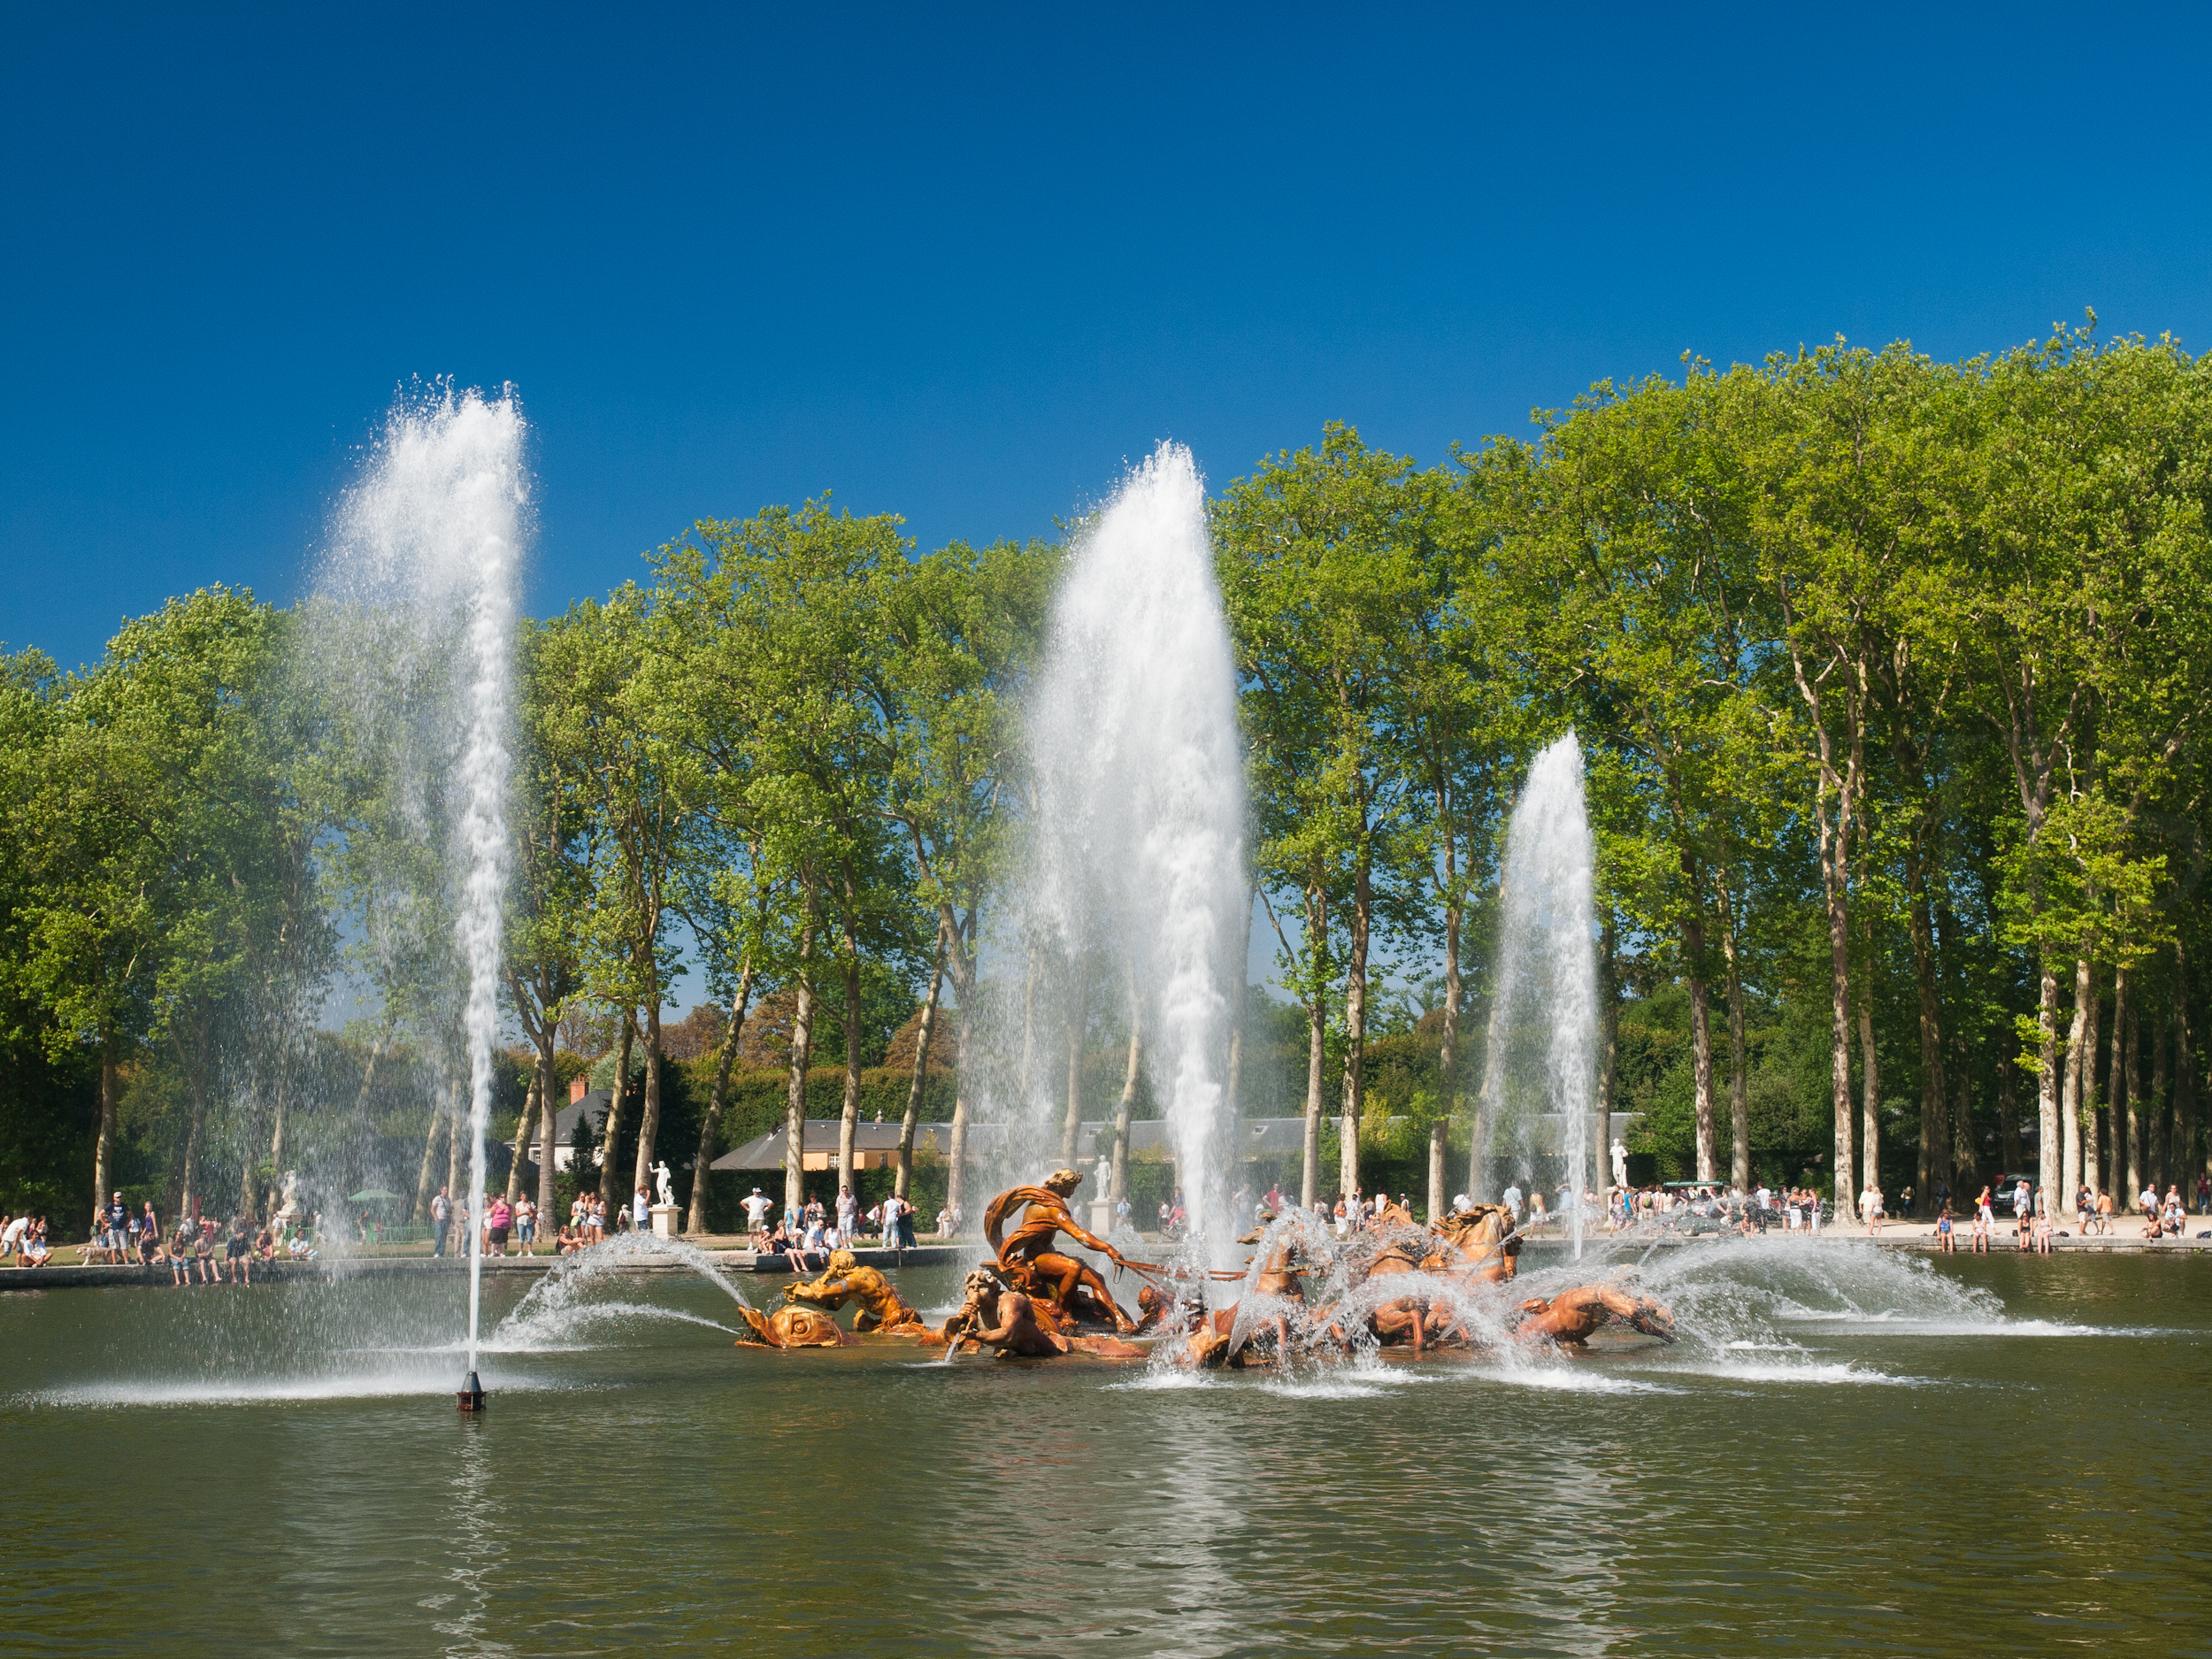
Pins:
x: 847, y: 1213
x: 641, y: 1211
x: 757, y: 1209
x: 1513, y: 1202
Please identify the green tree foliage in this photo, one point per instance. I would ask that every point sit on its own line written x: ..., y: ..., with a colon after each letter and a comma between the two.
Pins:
x: 1889, y: 676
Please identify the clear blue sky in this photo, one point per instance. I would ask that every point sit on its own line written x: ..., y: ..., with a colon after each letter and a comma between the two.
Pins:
x: 960, y: 263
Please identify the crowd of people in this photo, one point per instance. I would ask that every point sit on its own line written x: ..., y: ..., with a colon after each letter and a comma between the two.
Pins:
x: 200, y: 1250
x: 808, y: 1235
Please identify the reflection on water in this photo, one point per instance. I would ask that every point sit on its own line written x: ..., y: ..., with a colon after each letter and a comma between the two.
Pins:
x: 1847, y: 1451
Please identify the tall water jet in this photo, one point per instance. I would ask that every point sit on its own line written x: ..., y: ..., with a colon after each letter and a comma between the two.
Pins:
x: 419, y: 585
x: 1540, y: 1068
x: 1135, y: 858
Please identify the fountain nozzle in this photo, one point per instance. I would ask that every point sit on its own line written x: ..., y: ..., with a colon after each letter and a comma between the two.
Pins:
x: 471, y: 1395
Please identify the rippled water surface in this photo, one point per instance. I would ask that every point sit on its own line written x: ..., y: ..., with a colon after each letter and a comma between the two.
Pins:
x: 1848, y: 1452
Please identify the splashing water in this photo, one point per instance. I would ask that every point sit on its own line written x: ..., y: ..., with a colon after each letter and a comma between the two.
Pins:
x: 427, y: 544
x: 558, y: 1299
x: 1136, y: 855
x: 1541, y: 1069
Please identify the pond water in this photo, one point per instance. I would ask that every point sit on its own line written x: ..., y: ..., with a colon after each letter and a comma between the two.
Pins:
x: 1849, y: 1451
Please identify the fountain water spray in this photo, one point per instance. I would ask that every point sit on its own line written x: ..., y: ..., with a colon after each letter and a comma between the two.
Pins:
x: 426, y: 548
x: 1544, y: 1029
x: 1136, y: 855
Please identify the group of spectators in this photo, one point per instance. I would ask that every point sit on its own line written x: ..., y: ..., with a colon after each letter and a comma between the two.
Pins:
x: 202, y: 1249
x: 814, y: 1230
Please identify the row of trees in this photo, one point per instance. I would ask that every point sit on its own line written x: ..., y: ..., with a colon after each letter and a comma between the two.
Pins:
x: 1887, y: 674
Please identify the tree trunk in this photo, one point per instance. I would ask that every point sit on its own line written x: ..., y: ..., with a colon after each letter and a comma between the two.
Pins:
x: 1355, y: 1030
x: 361, y: 1100
x: 1965, y: 1163
x: 188, y: 1193
x: 1700, y: 1044
x: 1492, y: 1088
x: 801, y: 1051
x: 265, y: 1203
x: 1071, y: 1120
x: 960, y: 964
x: 710, y: 1125
x: 548, y: 1127
x: 531, y: 1102
x: 904, y: 1181
x: 1935, y: 1159
x: 848, y: 1107
x: 2147, y: 1114
x: 2050, y: 1169
x: 111, y: 1100
x: 1739, y: 1068
x: 1832, y: 843
x: 458, y: 1112
x: 1120, y: 1171
x: 611, y: 1131
x: 1870, y: 1089
x: 2009, y: 1151
x: 2120, y: 1080
x: 1029, y: 1026
x: 429, y: 1151
x: 2081, y: 1077
x: 2181, y: 1162
x: 1447, y: 1057
x: 1317, y: 1044
x: 649, y: 1125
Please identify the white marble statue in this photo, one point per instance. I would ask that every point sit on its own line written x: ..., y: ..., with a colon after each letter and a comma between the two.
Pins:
x: 1105, y: 1175
x: 660, y: 1180
x: 289, y: 1209
x: 1620, y: 1165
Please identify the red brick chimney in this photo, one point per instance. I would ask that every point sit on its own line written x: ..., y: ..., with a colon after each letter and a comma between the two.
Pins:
x: 577, y: 1085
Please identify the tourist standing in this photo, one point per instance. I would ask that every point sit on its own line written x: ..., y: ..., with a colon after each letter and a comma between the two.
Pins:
x: 757, y: 1209
x: 498, y: 1220
x: 847, y: 1213
x: 641, y: 1209
x: 440, y: 1217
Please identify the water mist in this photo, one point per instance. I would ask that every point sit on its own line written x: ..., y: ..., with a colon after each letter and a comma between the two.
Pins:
x: 1135, y: 855
x: 420, y: 576
x: 1541, y: 1069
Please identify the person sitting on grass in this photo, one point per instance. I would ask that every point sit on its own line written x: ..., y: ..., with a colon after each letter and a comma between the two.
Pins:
x: 35, y: 1250
x: 263, y: 1244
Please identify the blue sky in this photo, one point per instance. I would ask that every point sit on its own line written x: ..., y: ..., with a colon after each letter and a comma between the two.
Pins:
x: 960, y: 264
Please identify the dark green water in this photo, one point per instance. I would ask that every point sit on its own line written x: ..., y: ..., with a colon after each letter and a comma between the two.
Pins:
x: 1853, y: 1453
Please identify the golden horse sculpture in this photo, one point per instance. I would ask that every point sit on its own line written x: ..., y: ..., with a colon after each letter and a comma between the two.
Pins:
x: 1482, y: 1237
x: 1030, y: 1264
x: 883, y: 1309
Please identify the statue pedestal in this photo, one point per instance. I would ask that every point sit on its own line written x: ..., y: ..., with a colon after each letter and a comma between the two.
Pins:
x: 665, y: 1221
x: 1102, y: 1217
